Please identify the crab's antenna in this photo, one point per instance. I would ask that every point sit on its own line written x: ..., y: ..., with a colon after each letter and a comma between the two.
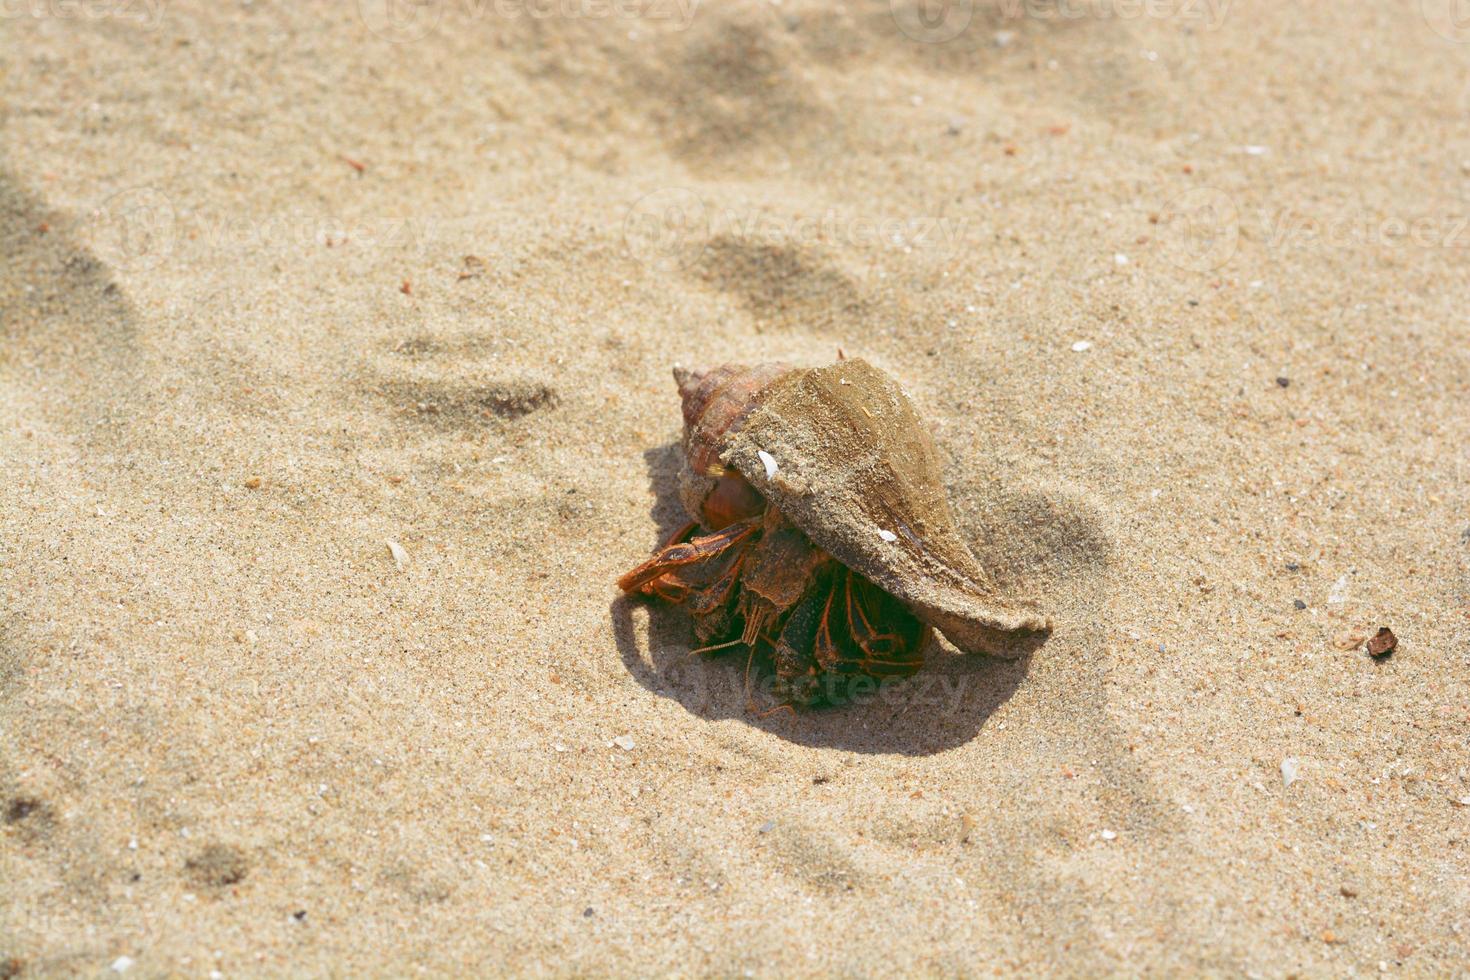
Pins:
x: 717, y: 646
x: 749, y: 702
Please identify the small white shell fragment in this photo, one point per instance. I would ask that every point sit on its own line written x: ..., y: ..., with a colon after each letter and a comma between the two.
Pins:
x: 624, y: 742
x: 1338, y: 594
x: 1109, y: 835
x: 400, y: 557
x: 1289, y: 769
x: 769, y: 462
x: 1119, y: 259
x: 887, y: 535
x: 1082, y: 345
x: 122, y: 964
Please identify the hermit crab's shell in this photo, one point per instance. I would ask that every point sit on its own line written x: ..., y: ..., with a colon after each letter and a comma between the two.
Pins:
x: 842, y: 453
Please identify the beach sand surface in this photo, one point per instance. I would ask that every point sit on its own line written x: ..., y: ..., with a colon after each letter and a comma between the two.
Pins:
x: 1181, y: 287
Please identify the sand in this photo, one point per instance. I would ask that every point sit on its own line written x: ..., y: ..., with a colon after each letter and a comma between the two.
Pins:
x: 1182, y: 288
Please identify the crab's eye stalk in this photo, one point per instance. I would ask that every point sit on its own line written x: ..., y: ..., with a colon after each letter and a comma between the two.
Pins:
x: 732, y: 499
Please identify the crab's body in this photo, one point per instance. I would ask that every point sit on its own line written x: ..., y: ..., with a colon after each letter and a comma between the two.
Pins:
x: 821, y: 537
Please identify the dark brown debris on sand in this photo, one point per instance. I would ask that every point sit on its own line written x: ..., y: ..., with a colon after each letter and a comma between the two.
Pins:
x: 1383, y: 643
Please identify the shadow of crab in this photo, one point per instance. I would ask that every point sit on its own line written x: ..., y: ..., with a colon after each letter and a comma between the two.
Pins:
x: 944, y: 705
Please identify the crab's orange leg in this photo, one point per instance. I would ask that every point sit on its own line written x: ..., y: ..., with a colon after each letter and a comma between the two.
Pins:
x: 888, y: 637
x: 679, y: 553
x: 720, y: 592
x: 708, y: 598
x: 831, y: 634
x: 684, y: 532
x: 864, y: 630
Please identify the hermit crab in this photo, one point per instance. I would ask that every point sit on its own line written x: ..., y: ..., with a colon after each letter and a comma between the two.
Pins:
x: 821, y: 538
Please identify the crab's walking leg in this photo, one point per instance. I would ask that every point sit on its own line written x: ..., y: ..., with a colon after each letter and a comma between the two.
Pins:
x: 684, y: 532
x: 679, y: 553
x: 890, y: 637
x: 796, y: 666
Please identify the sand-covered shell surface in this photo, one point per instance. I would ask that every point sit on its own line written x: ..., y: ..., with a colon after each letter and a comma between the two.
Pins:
x: 857, y: 471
